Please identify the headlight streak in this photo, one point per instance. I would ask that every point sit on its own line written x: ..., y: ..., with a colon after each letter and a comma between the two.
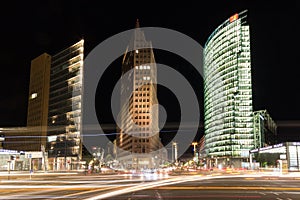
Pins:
x: 92, y: 186
x: 162, y: 183
x: 70, y: 182
x: 110, y: 189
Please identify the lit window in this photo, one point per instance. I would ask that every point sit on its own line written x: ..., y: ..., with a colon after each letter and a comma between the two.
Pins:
x: 33, y: 95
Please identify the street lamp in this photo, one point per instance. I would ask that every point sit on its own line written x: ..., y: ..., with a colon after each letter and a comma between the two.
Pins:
x: 175, y: 152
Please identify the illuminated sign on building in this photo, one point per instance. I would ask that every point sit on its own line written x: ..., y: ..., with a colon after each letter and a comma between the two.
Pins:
x: 234, y: 17
x: 8, y: 151
x: 277, y: 145
x: 267, y: 148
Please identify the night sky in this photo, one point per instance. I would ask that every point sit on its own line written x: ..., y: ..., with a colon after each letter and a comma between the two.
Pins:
x: 30, y: 28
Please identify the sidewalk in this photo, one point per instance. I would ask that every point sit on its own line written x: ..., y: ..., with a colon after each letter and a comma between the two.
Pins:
x: 35, y: 174
x: 235, y: 172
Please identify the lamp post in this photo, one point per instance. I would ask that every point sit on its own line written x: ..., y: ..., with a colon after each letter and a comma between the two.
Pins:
x: 194, y: 144
x: 175, y: 152
x: 195, y: 156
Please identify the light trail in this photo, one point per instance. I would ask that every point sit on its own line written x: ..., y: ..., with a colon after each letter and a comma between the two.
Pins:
x: 111, y: 188
x: 226, y: 188
x: 162, y: 183
x: 70, y: 182
x: 84, y: 192
x: 70, y: 187
x: 145, y: 186
x: 33, y: 194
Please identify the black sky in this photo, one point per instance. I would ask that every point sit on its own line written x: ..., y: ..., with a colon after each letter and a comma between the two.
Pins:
x: 30, y: 28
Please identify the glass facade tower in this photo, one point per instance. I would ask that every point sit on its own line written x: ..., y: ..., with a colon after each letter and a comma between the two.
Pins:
x: 228, y: 112
x: 265, y: 129
x: 64, y: 118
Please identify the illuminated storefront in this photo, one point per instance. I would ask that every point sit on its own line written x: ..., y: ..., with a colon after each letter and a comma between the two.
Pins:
x: 287, y: 152
x: 13, y: 160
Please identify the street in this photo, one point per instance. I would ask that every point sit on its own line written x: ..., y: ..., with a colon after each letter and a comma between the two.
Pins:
x: 151, y: 186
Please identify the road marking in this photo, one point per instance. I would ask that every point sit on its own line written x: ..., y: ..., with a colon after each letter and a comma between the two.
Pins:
x: 157, y: 195
x: 225, y: 188
x: 83, y: 192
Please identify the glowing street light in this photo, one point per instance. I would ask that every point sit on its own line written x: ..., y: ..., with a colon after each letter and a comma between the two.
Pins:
x: 174, y: 144
x: 195, y: 144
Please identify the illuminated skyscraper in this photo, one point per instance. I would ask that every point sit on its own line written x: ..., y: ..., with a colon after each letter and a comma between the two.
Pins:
x: 64, y: 118
x: 228, y: 115
x: 139, y: 134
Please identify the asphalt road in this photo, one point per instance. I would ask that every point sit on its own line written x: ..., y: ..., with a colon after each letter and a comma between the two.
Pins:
x: 151, y: 186
x: 266, y: 187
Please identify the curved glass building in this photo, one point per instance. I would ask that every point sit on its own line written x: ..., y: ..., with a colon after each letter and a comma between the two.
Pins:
x: 228, y: 115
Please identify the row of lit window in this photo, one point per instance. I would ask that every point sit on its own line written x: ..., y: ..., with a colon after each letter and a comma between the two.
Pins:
x: 142, y: 100
x: 140, y: 140
x: 218, y: 130
x: 142, y: 88
x: 219, y: 81
x: 142, y: 67
x: 142, y: 106
x: 220, y: 87
x: 224, y: 34
x: 141, y: 94
x: 67, y: 54
x: 239, y: 118
x: 223, y: 70
x: 142, y: 117
x: 226, y: 30
x: 240, y: 143
x: 57, y: 83
x: 66, y: 66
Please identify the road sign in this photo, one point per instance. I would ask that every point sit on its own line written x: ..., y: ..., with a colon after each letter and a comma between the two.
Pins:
x: 33, y: 154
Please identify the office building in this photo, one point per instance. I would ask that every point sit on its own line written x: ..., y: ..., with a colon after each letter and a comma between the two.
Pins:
x: 265, y: 129
x: 37, y: 112
x: 34, y: 136
x: 64, y: 116
x: 228, y: 112
x: 139, y: 141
